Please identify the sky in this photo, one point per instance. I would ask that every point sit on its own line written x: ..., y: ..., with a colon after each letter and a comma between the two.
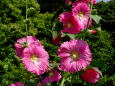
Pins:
x: 103, y: 0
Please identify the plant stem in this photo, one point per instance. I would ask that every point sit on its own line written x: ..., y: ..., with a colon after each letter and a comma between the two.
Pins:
x: 28, y: 76
x: 91, y: 6
x: 62, y: 82
x: 26, y: 22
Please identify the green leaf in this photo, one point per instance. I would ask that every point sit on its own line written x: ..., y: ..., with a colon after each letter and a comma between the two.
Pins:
x: 63, y: 35
x: 98, y: 28
x: 55, y: 34
x: 72, y: 36
x: 96, y: 18
x: 62, y: 82
x: 53, y: 65
x: 57, y: 26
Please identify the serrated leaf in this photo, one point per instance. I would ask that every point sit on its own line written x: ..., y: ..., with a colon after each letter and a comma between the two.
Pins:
x: 96, y: 18
x: 63, y: 35
x: 98, y: 28
x: 55, y: 34
x: 72, y: 36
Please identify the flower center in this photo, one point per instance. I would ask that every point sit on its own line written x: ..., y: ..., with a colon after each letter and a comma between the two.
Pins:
x: 75, y: 55
x: 80, y: 14
x: 69, y: 25
x: 50, y: 74
x: 34, y: 59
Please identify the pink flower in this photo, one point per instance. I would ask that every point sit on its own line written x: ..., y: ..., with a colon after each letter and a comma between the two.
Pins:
x: 17, y: 84
x: 67, y: 1
x: 75, y: 55
x: 90, y: 23
x: 81, y: 12
x: 69, y: 23
x: 53, y: 75
x: 21, y: 44
x: 87, y: 1
x: 35, y: 59
x: 91, y: 75
x: 94, y: 1
x: 92, y: 31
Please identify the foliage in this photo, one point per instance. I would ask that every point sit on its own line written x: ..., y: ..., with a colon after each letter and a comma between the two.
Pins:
x: 50, y: 5
x: 107, y: 12
x: 12, y: 27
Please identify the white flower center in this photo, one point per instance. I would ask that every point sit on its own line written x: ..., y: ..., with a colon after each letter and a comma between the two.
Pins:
x: 75, y: 55
x: 50, y: 74
x: 80, y: 14
x: 69, y: 25
x: 35, y: 60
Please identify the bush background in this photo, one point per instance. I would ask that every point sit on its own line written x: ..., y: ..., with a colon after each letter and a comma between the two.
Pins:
x: 12, y: 27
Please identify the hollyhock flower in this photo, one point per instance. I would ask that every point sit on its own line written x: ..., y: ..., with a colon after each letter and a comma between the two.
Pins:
x: 17, y: 84
x: 86, y: 1
x: 94, y: 1
x: 21, y: 43
x: 75, y: 55
x: 35, y: 59
x: 69, y: 23
x: 91, y: 75
x: 92, y: 31
x: 67, y: 1
x: 57, y: 40
x: 53, y: 75
x: 81, y: 12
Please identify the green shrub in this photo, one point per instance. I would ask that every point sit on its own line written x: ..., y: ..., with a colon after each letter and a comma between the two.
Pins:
x: 107, y: 12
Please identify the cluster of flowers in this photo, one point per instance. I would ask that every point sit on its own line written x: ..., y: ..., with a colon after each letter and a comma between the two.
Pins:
x: 35, y: 58
x: 76, y: 20
x: 75, y: 54
x: 87, y: 1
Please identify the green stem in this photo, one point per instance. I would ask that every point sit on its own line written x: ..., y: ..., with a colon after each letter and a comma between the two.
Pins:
x: 62, y: 82
x: 91, y: 6
x: 26, y: 22
x: 28, y: 77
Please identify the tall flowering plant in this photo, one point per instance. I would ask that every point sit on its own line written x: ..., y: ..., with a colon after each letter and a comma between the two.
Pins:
x: 75, y: 54
x: 75, y: 19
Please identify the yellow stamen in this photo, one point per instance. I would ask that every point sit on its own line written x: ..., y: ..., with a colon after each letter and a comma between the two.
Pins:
x: 75, y: 55
x: 34, y: 59
x: 50, y: 74
x: 80, y: 14
x: 69, y: 25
